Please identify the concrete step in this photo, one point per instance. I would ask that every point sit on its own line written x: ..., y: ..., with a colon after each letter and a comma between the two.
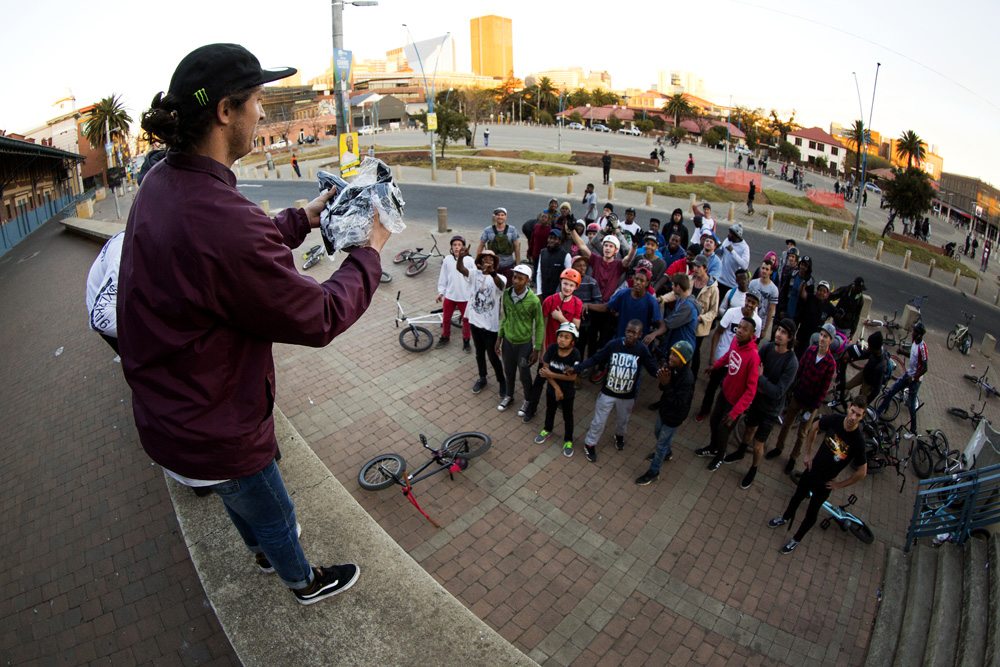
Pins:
x: 882, y: 645
x: 975, y: 606
x: 993, y: 632
x: 919, y: 602
x: 946, y: 613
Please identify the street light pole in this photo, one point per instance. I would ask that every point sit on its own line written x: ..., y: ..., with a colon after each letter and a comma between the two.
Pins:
x: 343, y: 105
x: 864, y: 147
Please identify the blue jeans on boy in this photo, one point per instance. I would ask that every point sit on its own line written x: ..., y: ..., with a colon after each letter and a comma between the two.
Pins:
x: 911, y: 404
x: 664, y: 436
x: 264, y: 515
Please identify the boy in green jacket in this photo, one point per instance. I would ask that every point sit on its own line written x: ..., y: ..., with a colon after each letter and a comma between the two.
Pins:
x: 522, y: 330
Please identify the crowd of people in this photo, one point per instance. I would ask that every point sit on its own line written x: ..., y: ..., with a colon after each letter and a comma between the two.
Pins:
x: 607, y: 298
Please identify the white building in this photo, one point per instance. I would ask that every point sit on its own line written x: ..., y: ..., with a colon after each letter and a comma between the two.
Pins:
x: 814, y: 143
x: 675, y: 81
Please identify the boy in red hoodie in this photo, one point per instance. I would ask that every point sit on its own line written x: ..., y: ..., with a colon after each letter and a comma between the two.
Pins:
x: 739, y: 386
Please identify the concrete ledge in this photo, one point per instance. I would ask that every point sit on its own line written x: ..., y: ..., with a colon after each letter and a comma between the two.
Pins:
x: 97, y: 229
x: 395, y: 613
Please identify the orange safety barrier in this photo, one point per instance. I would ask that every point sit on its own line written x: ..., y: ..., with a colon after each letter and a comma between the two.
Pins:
x: 823, y: 198
x: 737, y: 179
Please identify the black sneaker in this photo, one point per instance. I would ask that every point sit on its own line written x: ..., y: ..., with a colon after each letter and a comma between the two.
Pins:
x: 327, y: 582
x: 620, y: 442
x: 529, y: 414
x: 442, y: 341
x: 466, y: 347
x: 704, y: 452
x: 748, y: 478
x: 646, y: 479
x: 715, y: 464
x: 773, y: 454
x: 591, y: 453
x: 735, y: 456
x: 479, y: 386
x: 789, y: 546
x: 790, y: 466
x: 776, y: 522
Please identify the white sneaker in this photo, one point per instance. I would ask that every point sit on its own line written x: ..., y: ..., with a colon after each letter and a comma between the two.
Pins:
x: 505, y: 403
x: 523, y: 409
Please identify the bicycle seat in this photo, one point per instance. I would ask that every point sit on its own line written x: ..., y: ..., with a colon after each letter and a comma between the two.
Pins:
x: 418, y: 250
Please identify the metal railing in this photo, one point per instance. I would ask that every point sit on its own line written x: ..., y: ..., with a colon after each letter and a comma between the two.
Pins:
x: 954, y: 506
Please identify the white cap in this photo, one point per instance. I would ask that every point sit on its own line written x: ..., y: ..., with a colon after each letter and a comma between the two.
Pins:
x: 611, y: 238
x: 523, y: 269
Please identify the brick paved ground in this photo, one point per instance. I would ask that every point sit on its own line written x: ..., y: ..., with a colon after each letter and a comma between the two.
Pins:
x: 571, y: 561
x: 95, y: 570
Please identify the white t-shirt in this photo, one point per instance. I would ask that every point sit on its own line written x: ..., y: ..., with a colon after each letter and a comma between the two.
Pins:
x: 768, y: 295
x: 707, y: 225
x: 452, y: 284
x: 729, y: 323
x: 483, y: 310
x: 590, y: 201
x: 102, y: 287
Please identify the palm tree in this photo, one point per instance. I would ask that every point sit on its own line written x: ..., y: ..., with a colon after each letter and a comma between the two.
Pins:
x: 782, y: 127
x: 911, y: 147
x: 856, y: 137
x: 678, y: 107
x: 548, y: 97
x: 108, y: 121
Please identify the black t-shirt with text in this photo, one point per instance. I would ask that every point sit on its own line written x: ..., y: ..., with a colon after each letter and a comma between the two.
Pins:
x: 560, y: 365
x: 838, y: 448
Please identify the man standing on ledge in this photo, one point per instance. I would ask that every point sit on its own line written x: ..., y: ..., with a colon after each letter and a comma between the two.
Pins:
x: 207, y: 285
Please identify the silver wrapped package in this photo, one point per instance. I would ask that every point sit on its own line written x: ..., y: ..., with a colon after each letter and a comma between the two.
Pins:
x: 347, y: 220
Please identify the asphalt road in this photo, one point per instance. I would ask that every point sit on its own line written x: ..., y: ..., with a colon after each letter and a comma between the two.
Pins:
x: 469, y: 209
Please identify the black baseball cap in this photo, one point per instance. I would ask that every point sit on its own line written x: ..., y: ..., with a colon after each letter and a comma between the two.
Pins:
x: 211, y: 72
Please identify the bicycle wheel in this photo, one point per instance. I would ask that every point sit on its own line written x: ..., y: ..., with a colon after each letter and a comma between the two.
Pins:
x: 862, y: 532
x: 385, y: 277
x: 923, y: 460
x: 401, y: 256
x: 965, y: 345
x: 891, y: 410
x: 467, y: 443
x: 951, y: 340
x: 416, y: 339
x: 960, y: 413
x: 416, y: 266
x: 371, y: 478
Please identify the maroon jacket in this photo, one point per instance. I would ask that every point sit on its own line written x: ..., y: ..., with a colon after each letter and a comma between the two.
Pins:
x: 207, y: 283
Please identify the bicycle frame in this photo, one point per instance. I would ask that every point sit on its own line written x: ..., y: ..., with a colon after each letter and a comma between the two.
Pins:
x: 435, y: 316
x: 444, y: 463
x: 840, y: 513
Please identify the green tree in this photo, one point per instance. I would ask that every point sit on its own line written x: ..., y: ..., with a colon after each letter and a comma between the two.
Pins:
x: 910, y: 193
x: 600, y: 97
x: 108, y: 114
x: 856, y: 137
x: 644, y: 125
x: 579, y: 98
x: 576, y: 117
x: 451, y: 125
x: 678, y: 133
x: 678, y: 107
x: 547, y: 94
x: 781, y: 127
x: 478, y: 105
x: 911, y: 147
x: 789, y: 152
x: 543, y: 117
x: 614, y: 123
x: 822, y: 163
x: 715, y: 136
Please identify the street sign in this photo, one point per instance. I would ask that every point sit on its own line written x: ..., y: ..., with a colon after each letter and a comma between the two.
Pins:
x: 432, y: 121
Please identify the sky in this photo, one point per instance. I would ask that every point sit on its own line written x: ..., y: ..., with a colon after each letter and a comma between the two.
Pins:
x: 937, y: 74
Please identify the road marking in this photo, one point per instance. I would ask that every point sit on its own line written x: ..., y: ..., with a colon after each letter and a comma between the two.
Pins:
x: 248, y: 185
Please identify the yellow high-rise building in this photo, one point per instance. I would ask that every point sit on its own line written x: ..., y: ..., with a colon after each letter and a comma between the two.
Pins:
x: 492, y: 46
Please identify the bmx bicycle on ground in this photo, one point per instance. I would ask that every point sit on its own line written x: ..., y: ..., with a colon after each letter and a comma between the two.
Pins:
x: 961, y: 336
x: 417, y: 258
x: 317, y: 252
x: 415, y: 338
x: 387, y: 469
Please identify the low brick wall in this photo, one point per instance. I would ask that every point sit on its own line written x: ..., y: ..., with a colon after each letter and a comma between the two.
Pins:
x: 912, y: 241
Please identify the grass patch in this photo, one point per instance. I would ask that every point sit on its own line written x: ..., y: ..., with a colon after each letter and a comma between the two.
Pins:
x: 703, y: 191
x: 475, y: 164
x: 917, y: 253
x: 778, y: 198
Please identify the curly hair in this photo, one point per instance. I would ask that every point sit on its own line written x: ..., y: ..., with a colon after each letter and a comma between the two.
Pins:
x: 182, y: 127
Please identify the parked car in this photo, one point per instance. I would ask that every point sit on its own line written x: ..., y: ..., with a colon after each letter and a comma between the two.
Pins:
x: 278, y: 144
x: 575, y: 126
x: 743, y: 150
x: 369, y: 129
x: 634, y: 131
x: 598, y: 127
x: 874, y: 188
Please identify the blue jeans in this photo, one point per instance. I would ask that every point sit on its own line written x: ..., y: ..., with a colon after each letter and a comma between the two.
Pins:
x: 911, y: 404
x: 264, y: 515
x: 664, y: 436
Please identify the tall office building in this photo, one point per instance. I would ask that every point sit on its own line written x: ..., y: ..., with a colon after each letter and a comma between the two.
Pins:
x: 492, y: 46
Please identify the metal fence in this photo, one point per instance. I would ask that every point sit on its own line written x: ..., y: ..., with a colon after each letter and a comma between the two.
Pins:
x: 16, y: 229
x: 952, y: 507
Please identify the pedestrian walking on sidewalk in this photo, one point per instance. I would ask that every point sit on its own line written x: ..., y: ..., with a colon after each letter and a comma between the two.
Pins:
x: 295, y: 166
x: 606, y: 167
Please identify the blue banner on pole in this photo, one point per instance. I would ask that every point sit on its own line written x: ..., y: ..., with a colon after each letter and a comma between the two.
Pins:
x: 341, y: 66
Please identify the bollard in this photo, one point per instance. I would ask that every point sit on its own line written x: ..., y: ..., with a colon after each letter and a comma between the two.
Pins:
x: 845, y: 239
x: 458, y: 175
x: 693, y: 198
x: 930, y: 268
x: 732, y: 212
x: 311, y: 173
x: 906, y: 260
x: 443, y: 219
x: 569, y: 185
x: 878, y: 251
x: 611, y: 192
x: 493, y: 177
x: 267, y: 174
x: 649, y: 195
x: 277, y: 173
x: 397, y: 173
x: 770, y: 221
x: 989, y: 344
x: 975, y: 290
x: 85, y: 208
x: 265, y: 206
x: 301, y: 203
x: 809, y: 229
x: 531, y: 180
x: 100, y: 194
x: 996, y: 299
x: 958, y: 275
